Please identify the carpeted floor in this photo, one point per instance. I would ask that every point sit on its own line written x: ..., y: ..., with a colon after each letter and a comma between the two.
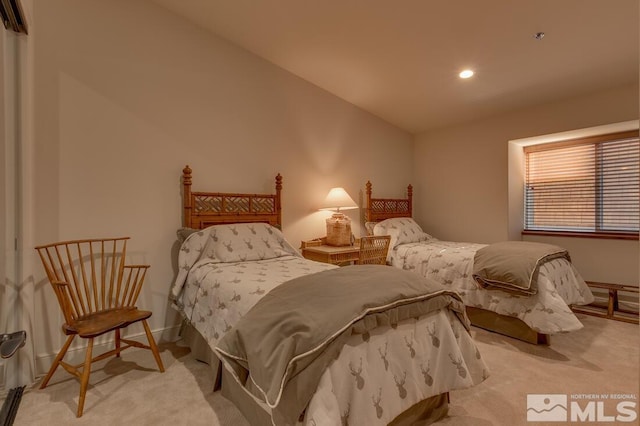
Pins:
x: 602, y: 358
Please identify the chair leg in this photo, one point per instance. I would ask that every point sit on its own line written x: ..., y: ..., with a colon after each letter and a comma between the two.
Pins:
x: 56, y: 361
x: 118, y: 342
x: 152, y: 344
x: 84, y: 380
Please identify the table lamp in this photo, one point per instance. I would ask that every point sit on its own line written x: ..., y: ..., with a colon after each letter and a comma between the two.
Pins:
x: 338, y: 225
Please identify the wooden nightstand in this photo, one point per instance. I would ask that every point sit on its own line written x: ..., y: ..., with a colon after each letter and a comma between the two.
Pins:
x: 319, y: 251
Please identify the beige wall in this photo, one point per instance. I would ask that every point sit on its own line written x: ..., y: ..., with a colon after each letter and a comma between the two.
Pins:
x: 461, y: 178
x: 126, y: 94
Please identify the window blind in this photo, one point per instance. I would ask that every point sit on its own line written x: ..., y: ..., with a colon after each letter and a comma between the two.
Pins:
x: 585, y: 185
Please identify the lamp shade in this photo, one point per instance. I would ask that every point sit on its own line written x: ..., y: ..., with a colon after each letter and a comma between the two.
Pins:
x: 337, y: 200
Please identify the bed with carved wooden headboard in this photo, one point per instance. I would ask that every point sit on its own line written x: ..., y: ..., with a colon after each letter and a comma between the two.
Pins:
x: 233, y: 254
x: 529, y: 317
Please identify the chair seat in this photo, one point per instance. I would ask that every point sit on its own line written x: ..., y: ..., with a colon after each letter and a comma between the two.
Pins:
x: 101, y: 322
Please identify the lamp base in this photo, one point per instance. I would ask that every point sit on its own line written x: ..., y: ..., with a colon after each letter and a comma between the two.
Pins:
x: 339, y: 230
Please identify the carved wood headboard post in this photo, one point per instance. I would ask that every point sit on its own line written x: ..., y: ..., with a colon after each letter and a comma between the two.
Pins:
x: 278, y: 200
x: 186, y: 196
x: 410, y: 198
x: 368, y: 210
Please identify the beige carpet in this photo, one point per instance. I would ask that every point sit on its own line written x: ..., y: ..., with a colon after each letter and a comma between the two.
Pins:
x: 602, y: 358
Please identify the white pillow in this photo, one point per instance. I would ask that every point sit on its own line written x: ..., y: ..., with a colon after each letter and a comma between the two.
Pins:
x: 369, y: 227
x: 402, y: 230
x: 239, y: 242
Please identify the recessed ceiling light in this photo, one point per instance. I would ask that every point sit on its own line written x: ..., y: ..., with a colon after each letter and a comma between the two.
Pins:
x: 466, y: 74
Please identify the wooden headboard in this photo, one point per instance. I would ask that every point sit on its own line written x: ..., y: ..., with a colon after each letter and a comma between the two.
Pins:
x: 384, y: 208
x: 204, y: 209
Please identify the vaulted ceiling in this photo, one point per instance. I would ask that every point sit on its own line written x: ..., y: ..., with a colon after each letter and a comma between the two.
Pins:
x: 400, y: 59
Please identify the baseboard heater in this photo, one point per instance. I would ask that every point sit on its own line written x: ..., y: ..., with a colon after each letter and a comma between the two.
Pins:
x: 12, y: 16
x: 10, y: 406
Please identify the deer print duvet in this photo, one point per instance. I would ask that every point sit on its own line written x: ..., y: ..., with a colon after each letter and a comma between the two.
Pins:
x: 373, y: 381
x: 396, y: 339
x: 226, y: 269
x: 451, y: 264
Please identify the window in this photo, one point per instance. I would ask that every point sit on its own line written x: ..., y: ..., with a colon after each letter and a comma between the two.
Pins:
x: 588, y: 185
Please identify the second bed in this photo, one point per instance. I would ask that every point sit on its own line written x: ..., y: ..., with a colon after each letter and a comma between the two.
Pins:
x: 531, y: 317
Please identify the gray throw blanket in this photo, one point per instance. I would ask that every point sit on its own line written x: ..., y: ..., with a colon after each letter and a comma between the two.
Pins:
x: 513, y: 265
x: 285, y: 342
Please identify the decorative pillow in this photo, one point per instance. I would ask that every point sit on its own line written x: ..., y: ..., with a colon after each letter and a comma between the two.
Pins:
x: 183, y: 233
x: 402, y: 230
x: 239, y: 242
x: 369, y: 227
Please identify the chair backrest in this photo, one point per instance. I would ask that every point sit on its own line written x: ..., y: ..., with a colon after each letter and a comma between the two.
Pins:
x: 373, y: 250
x: 90, y: 275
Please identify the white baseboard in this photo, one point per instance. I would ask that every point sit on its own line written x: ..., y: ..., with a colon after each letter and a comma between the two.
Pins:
x: 75, y: 354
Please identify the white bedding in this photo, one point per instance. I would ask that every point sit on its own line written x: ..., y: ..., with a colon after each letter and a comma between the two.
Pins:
x: 451, y: 263
x: 372, y: 380
x: 218, y: 294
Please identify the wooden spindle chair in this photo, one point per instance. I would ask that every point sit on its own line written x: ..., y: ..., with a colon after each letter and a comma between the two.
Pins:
x: 97, y: 293
x: 373, y: 250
